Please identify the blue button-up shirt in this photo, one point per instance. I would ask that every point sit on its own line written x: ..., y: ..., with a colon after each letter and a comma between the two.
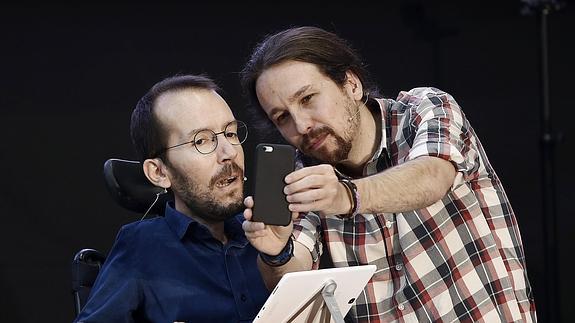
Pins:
x: 171, y: 268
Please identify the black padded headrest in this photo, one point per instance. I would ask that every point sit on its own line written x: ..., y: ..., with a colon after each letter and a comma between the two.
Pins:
x: 130, y: 188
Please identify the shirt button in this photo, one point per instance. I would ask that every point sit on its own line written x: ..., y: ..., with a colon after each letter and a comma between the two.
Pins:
x: 388, y: 224
x: 243, y: 298
x: 400, y: 307
x: 398, y: 267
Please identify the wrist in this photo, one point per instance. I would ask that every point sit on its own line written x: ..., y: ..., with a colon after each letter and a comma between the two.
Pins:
x: 353, y: 194
x: 281, y: 258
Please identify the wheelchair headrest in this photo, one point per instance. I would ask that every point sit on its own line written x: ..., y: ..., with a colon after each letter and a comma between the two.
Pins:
x: 130, y: 188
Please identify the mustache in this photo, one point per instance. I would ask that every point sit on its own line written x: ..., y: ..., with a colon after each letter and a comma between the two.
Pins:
x: 226, y: 171
x: 310, y: 137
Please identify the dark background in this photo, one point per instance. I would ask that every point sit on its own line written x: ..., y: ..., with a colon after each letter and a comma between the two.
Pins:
x: 71, y: 74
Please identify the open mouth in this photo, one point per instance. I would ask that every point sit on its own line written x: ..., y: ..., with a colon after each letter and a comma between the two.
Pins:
x: 226, y: 181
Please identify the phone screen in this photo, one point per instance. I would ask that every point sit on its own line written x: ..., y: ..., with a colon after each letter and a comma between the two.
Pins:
x: 273, y: 162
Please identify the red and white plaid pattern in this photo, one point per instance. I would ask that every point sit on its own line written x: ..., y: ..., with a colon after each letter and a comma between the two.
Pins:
x: 460, y: 259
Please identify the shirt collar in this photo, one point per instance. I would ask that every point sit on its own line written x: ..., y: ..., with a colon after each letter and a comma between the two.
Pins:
x: 381, y: 127
x: 180, y: 224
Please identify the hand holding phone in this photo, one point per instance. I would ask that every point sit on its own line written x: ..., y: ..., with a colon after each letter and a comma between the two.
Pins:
x: 273, y: 162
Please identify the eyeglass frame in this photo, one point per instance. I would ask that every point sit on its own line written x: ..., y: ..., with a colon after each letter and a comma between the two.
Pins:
x: 215, y: 135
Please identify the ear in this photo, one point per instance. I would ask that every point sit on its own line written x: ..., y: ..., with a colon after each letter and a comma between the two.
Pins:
x: 156, y: 172
x: 353, y: 85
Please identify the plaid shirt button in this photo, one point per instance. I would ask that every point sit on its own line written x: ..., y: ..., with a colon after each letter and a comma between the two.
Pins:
x: 398, y: 267
x: 400, y: 307
x: 388, y: 224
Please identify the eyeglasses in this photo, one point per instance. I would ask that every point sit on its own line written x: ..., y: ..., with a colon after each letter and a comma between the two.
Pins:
x: 206, y: 140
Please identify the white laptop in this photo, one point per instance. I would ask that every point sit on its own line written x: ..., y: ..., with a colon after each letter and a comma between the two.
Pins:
x: 297, y: 297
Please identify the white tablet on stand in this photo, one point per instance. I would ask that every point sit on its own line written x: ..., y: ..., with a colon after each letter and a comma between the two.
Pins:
x: 324, y: 295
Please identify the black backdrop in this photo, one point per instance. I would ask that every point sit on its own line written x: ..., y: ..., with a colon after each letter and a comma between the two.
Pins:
x: 71, y: 74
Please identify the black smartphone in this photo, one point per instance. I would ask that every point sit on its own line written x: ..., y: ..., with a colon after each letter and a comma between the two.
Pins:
x: 272, y: 163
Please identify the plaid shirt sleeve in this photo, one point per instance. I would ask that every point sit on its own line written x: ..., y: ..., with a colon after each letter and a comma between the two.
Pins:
x: 439, y: 128
x: 307, y: 231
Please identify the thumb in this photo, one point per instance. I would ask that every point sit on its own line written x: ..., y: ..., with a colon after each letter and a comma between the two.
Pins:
x: 295, y: 215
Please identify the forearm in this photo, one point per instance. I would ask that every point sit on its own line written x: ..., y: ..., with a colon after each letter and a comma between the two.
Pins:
x: 300, y: 261
x: 410, y: 186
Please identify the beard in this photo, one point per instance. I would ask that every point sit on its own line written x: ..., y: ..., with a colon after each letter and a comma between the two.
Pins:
x: 201, y: 201
x: 341, y: 151
x: 343, y: 143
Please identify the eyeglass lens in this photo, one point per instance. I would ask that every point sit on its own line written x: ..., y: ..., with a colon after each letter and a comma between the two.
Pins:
x: 206, y: 141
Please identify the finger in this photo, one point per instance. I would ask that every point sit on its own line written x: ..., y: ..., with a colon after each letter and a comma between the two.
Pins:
x: 250, y: 226
x: 248, y: 214
x: 296, y: 215
x: 302, y: 173
x: 306, y: 171
x: 249, y: 201
x: 304, y: 207
x: 309, y: 182
x: 308, y: 196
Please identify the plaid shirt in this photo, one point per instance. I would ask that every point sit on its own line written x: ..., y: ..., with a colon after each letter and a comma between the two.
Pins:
x: 460, y: 259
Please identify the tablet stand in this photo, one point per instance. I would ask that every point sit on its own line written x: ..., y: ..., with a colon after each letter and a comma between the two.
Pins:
x: 324, y: 296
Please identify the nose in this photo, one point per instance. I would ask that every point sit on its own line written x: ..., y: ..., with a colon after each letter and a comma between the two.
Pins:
x: 303, y: 122
x: 226, y: 151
